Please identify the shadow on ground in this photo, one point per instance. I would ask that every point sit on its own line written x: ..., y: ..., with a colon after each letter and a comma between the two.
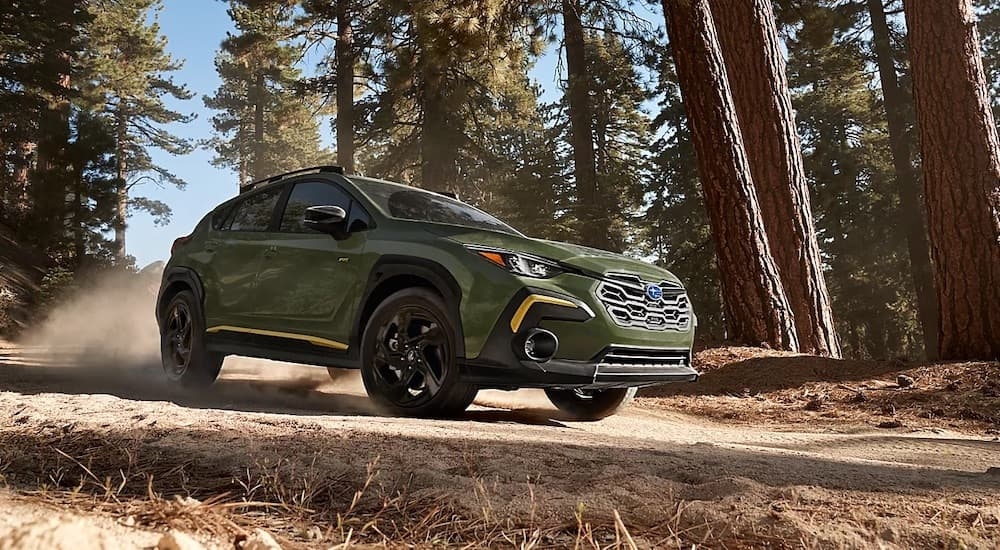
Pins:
x: 304, y: 395
x: 766, y: 374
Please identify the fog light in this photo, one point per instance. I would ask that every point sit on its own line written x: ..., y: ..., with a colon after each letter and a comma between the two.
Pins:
x: 540, y: 345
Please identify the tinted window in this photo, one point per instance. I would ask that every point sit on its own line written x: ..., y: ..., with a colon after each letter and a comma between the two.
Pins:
x: 254, y: 213
x: 311, y: 193
x: 408, y: 203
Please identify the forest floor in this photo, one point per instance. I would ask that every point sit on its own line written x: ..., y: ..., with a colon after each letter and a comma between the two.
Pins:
x: 760, y: 453
x: 769, y: 388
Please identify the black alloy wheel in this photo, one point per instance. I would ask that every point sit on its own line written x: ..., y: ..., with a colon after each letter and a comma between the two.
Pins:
x: 178, y: 336
x: 182, y: 343
x: 409, y: 357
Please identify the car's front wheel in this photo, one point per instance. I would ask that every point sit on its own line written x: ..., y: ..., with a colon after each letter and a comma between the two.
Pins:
x: 581, y: 404
x: 408, y: 357
x: 182, y: 343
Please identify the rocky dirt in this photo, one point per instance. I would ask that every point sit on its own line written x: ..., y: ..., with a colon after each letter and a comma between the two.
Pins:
x: 286, y: 449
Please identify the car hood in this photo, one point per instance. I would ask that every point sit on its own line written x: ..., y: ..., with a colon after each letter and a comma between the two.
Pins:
x: 597, y: 262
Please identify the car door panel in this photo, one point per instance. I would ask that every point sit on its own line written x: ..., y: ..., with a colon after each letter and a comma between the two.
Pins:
x: 237, y: 251
x: 306, y: 284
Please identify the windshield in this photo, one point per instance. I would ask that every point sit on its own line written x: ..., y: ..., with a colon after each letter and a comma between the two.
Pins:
x: 409, y: 203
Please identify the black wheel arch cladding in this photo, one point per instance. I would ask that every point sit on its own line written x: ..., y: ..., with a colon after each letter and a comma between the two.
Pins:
x: 394, y: 273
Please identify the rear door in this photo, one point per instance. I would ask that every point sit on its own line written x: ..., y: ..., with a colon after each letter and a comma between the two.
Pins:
x: 237, y: 250
x: 310, y: 283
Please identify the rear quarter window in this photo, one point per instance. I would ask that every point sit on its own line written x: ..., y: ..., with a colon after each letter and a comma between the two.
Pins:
x: 253, y: 213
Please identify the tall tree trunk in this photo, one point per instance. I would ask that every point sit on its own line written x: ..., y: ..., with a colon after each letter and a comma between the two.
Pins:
x: 961, y: 169
x: 79, y: 239
x: 121, y: 182
x: 16, y: 199
x: 258, y: 127
x: 592, y: 232
x: 757, y: 310
x: 437, y: 148
x: 48, y: 186
x: 344, y: 54
x: 911, y: 216
x: 245, y: 151
x: 749, y: 40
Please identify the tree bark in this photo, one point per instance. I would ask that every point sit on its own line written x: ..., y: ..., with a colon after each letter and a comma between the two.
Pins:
x: 121, y: 182
x: 48, y: 186
x: 79, y: 238
x: 592, y: 231
x: 961, y: 169
x: 258, y: 127
x: 437, y: 147
x: 748, y: 37
x: 344, y: 54
x: 16, y: 200
x: 757, y: 310
x: 911, y: 216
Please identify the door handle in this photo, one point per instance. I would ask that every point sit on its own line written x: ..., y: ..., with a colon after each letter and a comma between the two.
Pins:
x: 211, y: 245
x: 271, y: 251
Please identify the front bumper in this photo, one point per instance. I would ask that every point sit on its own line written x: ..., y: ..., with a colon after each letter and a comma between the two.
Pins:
x: 625, y: 357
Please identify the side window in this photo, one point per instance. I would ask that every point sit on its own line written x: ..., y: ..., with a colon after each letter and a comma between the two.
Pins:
x: 311, y: 193
x: 254, y: 213
x: 221, y: 216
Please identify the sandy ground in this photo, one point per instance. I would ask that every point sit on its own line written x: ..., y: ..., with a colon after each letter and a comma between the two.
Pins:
x: 68, y: 426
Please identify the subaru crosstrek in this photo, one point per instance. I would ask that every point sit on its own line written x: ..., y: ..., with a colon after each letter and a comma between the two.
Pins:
x: 430, y: 298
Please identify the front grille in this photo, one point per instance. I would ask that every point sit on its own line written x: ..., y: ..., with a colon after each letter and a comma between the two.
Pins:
x: 626, y: 299
x: 638, y: 361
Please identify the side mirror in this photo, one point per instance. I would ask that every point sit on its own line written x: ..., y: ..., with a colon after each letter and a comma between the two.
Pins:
x: 326, y: 219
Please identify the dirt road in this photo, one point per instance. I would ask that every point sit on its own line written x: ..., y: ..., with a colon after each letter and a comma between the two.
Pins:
x: 278, y: 433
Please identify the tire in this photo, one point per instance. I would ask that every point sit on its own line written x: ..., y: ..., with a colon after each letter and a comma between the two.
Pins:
x: 416, y: 374
x: 182, y: 344
x: 591, y: 404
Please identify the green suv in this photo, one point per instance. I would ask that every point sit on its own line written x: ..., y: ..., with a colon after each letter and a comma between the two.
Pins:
x: 431, y: 298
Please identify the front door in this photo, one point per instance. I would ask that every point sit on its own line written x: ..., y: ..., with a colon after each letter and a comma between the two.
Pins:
x: 307, y: 281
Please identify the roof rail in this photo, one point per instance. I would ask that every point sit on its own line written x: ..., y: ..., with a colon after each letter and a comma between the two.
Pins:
x: 312, y: 170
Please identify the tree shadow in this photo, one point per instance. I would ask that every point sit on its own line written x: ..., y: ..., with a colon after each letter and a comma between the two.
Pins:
x: 766, y: 374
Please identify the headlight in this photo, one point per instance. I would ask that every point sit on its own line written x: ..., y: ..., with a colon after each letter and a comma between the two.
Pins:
x: 524, y: 265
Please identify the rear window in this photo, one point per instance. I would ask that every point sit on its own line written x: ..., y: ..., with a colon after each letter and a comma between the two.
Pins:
x: 409, y: 203
x: 254, y: 213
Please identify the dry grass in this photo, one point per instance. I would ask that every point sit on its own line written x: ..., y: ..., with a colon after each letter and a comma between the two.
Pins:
x: 766, y: 387
x: 303, y: 505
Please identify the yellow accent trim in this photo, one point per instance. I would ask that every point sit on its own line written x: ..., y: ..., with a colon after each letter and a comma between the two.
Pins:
x: 518, y: 318
x: 314, y: 340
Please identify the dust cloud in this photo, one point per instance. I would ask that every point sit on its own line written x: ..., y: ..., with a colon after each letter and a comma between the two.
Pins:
x: 104, y: 332
x: 107, y: 320
x: 105, y: 328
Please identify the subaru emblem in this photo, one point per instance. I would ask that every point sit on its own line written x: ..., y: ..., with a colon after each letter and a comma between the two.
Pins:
x: 654, y: 292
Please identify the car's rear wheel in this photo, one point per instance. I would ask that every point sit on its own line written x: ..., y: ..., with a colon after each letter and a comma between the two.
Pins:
x: 583, y: 404
x: 182, y: 343
x: 408, y: 357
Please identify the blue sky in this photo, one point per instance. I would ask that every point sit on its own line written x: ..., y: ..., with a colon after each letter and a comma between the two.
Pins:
x: 194, y: 30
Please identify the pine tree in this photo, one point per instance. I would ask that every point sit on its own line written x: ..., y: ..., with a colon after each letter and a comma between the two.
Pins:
x: 581, y: 118
x: 898, y: 109
x: 675, y: 225
x: 756, y: 69
x: 264, y: 125
x: 347, y: 22
x: 757, y: 310
x: 961, y: 167
x: 849, y: 168
x: 448, y: 72
x: 132, y: 70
